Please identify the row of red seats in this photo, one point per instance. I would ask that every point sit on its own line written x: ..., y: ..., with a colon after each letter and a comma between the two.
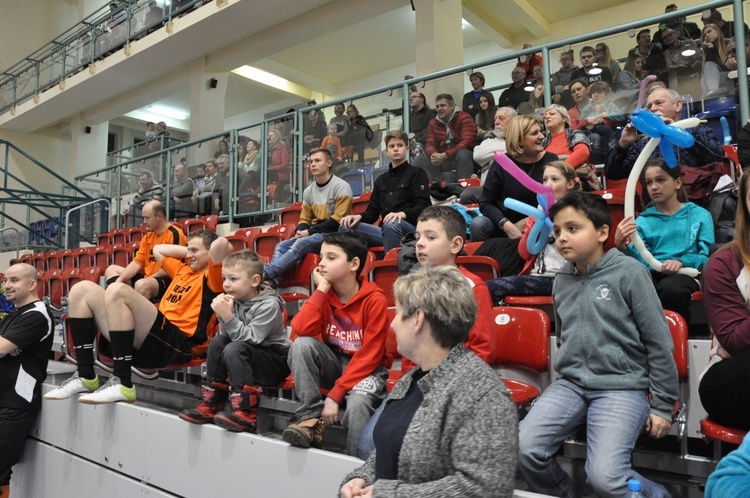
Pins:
x: 54, y: 285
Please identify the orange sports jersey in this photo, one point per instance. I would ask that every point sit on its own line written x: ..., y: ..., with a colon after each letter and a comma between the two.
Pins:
x: 187, y: 302
x: 145, y: 254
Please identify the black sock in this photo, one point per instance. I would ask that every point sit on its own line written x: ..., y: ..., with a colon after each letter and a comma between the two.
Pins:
x: 83, y: 332
x: 112, y: 280
x: 122, y: 354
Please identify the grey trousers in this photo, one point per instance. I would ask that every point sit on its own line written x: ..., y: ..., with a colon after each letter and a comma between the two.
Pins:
x: 315, y: 366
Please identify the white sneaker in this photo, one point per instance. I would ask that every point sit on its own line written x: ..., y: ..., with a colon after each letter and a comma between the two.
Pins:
x: 110, y: 392
x: 73, y: 385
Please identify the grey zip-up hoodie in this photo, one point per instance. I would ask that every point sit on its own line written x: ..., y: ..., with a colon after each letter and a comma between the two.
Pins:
x: 612, y: 332
x: 258, y: 321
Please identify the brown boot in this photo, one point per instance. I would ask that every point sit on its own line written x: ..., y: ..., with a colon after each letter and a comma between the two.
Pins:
x: 305, y: 434
x: 213, y: 396
x: 244, y: 417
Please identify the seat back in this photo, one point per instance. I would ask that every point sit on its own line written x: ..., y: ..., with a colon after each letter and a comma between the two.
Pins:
x: 359, y: 205
x: 53, y: 260
x: 120, y: 255
x: 135, y: 234
x: 41, y: 284
x: 67, y: 260
x: 732, y: 163
x: 384, y: 274
x: 210, y: 222
x: 483, y: 267
x: 291, y: 214
x: 55, y: 288
x: 82, y: 257
x: 678, y: 329
x: 39, y: 261
x: 300, y: 275
x: 615, y: 198
x: 91, y: 273
x: 120, y: 236
x: 102, y: 256
x: 522, y: 338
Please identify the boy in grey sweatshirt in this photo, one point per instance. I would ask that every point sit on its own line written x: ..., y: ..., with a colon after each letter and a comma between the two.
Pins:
x: 614, y: 349
x: 250, y: 348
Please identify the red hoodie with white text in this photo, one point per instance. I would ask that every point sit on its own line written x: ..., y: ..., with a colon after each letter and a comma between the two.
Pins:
x: 357, y: 329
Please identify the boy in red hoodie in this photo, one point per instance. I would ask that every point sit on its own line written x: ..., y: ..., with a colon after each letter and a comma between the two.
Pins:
x: 350, y: 315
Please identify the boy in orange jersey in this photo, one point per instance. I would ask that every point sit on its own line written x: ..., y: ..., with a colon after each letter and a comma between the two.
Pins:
x: 351, y: 360
x: 137, y: 332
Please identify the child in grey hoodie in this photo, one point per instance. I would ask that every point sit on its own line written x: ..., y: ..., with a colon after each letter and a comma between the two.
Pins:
x: 250, y: 348
x: 614, y: 349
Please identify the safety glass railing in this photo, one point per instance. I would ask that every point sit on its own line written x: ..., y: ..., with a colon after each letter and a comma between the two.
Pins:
x: 103, y: 32
x: 156, y: 143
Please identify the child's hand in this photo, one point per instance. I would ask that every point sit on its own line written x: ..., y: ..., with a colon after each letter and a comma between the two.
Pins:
x: 330, y: 413
x: 670, y: 266
x: 657, y: 427
x: 625, y: 229
x: 222, y: 306
x: 320, y: 281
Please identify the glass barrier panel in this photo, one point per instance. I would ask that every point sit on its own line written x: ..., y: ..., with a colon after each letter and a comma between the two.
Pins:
x: 251, y: 184
x: 279, y: 163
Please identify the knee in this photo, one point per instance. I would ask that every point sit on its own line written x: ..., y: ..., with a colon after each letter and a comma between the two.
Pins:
x: 302, y: 345
x: 112, y: 271
x: 146, y: 287
x: 479, y: 228
x: 231, y: 350
x: 605, y: 483
x: 83, y: 289
x: 115, y: 292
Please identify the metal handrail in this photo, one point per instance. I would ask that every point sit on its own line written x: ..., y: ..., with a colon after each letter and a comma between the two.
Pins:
x: 18, y: 239
x: 78, y: 208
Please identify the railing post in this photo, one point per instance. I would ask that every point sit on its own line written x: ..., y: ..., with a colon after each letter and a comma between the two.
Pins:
x: 739, y: 41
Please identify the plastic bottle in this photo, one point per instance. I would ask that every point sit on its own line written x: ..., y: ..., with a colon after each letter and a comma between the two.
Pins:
x: 634, y: 489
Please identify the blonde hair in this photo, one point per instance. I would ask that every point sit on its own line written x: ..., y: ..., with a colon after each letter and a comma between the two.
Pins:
x: 446, y: 299
x: 515, y: 132
x: 721, y: 43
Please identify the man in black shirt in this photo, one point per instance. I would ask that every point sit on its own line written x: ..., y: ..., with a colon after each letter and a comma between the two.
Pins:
x: 25, y: 346
x: 399, y: 196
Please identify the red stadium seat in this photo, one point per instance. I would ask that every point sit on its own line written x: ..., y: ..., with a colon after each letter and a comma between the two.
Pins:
x: 291, y: 214
x: 135, y: 234
x: 483, y: 267
x: 522, y: 344
x: 52, y: 260
x: 244, y: 238
x: 383, y: 274
x: 678, y: 329
x: 102, y: 256
x: 732, y: 163
x: 67, y: 260
x: 265, y: 243
x: 120, y: 236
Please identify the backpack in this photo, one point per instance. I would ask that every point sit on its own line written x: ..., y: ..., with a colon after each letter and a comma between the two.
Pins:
x: 722, y: 205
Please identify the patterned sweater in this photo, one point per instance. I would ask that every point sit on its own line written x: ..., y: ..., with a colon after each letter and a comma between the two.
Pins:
x: 463, y: 439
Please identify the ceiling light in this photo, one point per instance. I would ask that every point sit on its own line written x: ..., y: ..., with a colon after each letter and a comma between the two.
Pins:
x: 167, y: 112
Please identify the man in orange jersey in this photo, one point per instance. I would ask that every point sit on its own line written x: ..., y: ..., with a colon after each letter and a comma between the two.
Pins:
x: 144, y: 273
x: 136, y: 332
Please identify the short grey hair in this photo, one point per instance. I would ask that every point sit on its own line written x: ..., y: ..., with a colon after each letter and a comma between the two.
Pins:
x: 445, y: 297
x: 512, y: 113
x: 563, y: 112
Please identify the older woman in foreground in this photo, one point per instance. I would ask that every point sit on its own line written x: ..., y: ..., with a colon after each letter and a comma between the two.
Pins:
x: 449, y: 428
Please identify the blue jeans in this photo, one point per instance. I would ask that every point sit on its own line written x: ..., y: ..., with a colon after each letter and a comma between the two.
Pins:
x: 614, y: 420
x: 388, y: 236
x: 366, y: 443
x: 482, y: 228
x: 289, y: 252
